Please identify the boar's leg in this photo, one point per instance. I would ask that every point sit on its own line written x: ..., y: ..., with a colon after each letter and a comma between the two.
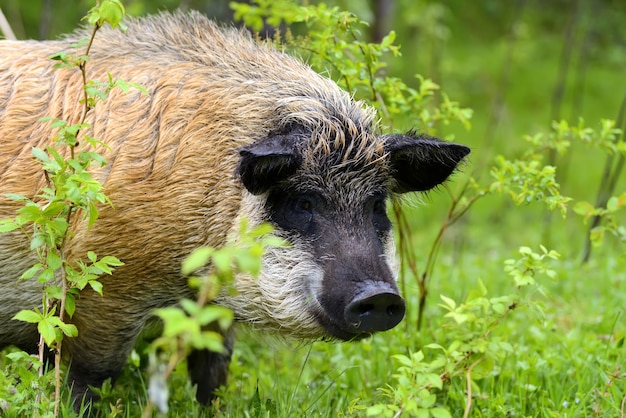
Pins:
x: 107, y: 330
x: 209, y: 370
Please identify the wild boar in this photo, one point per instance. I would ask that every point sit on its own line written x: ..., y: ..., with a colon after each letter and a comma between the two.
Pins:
x: 230, y: 129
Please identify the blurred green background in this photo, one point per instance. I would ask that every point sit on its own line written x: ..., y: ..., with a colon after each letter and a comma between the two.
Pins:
x: 518, y: 64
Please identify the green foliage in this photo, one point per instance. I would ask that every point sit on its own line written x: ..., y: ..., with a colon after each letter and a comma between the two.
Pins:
x: 18, y: 384
x: 413, y: 393
x: 502, y: 341
x: 198, y: 324
x: 472, y: 350
x: 71, y: 191
x: 334, y: 44
x: 608, y: 214
x: 527, y: 179
x: 529, y: 265
x: 274, y: 12
x: 106, y: 12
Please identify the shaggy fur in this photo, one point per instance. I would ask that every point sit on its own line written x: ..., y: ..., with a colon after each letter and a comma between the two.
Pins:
x: 172, y: 157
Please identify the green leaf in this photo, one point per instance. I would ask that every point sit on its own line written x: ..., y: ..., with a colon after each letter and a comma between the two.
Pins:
x: 40, y: 154
x: 249, y: 263
x: 16, y: 197
x: 222, y: 259
x: 212, y: 313
x: 70, y: 304
x: 93, y: 214
x: 440, y: 413
x: 209, y: 340
x: 524, y: 280
x: 404, y: 360
x: 260, y: 230
x: 57, y: 123
x: 435, y: 346
x: 7, y: 225
x: 47, y: 329
x: 96, y: 286
x: 460, y: 318
x: 449, y: 304
x: 375, y: 410
x: 28, y: 316
x: 427, y: 399
x: 30, y: 273
x: 46, y: 276
x: 54, y: 292
x: 613, y: 204
x: 111, y: 12
x: 584, y: 208
x: 59, y: 56
x: 433, y: 380
x: 111, y: 261
x: 597, y: 235
x: 68, y: 329
x: 176, y: 322
x: 53, y: 260
x: 196, y: 260
x: 483, y: 369
x: 190, y: 307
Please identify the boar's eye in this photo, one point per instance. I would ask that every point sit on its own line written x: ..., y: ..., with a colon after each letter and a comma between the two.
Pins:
x: 295, y: 211
x: 304, y: 205
x: 299, y: 213
x: 380, y: 207
x: 379, y: 214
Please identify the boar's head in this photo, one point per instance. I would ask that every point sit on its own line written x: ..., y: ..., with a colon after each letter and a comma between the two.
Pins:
x: 328, y: 199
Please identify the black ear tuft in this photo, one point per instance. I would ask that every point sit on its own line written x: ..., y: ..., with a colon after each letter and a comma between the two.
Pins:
x: 267, y: 161
x: 421, y: 162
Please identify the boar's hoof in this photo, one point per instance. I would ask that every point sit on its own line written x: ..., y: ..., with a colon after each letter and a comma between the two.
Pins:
x: 378, y: 312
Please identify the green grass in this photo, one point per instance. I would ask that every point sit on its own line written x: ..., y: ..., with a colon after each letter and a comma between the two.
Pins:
x: 568, y: 356
x: 565, y: 349
x: 562, y: 358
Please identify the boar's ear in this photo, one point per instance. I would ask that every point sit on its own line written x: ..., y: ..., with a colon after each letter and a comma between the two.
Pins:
x: 267, y: 161
x: 421, y: 162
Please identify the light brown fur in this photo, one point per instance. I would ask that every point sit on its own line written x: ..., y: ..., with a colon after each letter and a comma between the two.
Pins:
x: 230, y: 129
x: 171, y: 162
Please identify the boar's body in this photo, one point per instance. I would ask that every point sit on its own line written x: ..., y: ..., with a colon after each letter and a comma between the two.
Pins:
x: 228, y: 129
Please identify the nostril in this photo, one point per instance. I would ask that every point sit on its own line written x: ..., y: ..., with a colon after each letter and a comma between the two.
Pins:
x: 364, y: 308
x: 394, y: 310
x: 378, y: 312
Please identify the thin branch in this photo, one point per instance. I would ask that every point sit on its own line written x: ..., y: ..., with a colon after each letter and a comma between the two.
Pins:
x: 468, y: 380
x: 558, y: 93
x: 5, y: 27
x: 593, y: 18
x: 71, y: 211
x: 452, y: 216
x: 608, y: 182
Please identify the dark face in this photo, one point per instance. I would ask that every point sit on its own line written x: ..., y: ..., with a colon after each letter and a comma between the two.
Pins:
x: 331, y: 204
x: 349, y: 240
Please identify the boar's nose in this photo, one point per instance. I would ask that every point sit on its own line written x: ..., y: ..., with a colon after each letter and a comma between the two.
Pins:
x: 375, y: 312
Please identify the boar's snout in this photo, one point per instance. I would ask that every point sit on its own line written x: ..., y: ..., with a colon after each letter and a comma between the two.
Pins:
x: 374, y: 311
